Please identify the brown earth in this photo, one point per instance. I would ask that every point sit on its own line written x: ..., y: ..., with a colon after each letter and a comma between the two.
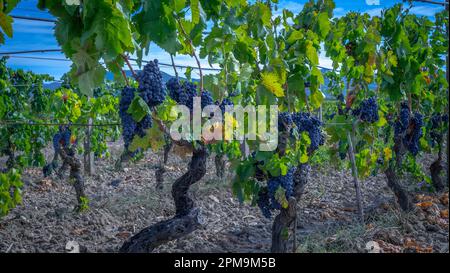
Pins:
x: 327, y: 221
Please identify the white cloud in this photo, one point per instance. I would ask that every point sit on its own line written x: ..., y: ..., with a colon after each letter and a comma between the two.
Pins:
x: 425, y: 11
x: 339, y: 12
x: 290, y: 5
x: 374, y: 12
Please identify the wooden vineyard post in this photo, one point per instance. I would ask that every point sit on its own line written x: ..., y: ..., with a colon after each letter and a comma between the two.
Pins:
x: 88, y: 155
x: 355, y: 178
x: 320, y: 113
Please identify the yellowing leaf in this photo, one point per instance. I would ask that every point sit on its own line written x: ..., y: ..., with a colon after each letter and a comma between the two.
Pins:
x: 311, y: 53
x: 232, y: 123
x: 76, y: 112
x: 424, y: 204
x: 271, y: 82
x: 382, y: 121
x: 304, y: 158
x: 387, y: 154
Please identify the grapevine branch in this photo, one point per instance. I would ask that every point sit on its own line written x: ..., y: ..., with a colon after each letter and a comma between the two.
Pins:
x: 15, y: 122
x: 123, y: 73
x: 166, y: 131
x: 127, y: 61
x: 174, y: 66
x: 193, y: 53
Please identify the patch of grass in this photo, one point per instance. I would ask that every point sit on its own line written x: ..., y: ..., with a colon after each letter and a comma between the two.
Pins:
x: 344, y: 239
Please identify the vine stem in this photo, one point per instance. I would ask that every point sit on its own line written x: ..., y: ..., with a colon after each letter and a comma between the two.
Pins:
x: 193, y: 53
x: 173, y: 65
x: 288, y: 98
x: 129, y: 66
x: 123, y: 74
x: 409, y: 102
x: 166, y: 131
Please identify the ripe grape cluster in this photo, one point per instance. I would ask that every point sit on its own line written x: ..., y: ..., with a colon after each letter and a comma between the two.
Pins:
x: 367, y: 111
x: 130, y: 127
x: 408, y: 128
x: 62, y: 138
x: 402, y: 123
x: 223, y: 104
x: 206, y: 99
x: 267, y: 200
x: 411, y: 139
x: 183, y: 93
x: 151, y: 87
x: 305, y: 122
x: 435, y: 128
x: 285, y: 121
x: 128, y: 123
x: 264, y: 202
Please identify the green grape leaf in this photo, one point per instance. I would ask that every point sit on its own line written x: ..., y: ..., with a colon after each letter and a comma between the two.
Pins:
x: 153, y: 139
x: 138, y: 109
x: 6, y: 24
x: 323, y: 24
x: 280, y: 196
x: 311, y: 53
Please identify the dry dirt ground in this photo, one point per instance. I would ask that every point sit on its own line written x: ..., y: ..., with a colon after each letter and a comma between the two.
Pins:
x: 123, y: 202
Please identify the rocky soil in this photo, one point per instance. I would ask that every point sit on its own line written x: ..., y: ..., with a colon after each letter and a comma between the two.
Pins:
x: 123, y: 202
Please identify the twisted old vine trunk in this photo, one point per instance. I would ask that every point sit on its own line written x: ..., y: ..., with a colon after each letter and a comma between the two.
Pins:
x: 124, y: 157
x: 161, y: 169
x: 403, y: 198
x: 287, y: 217
x: 435, y: 171
x: 186, y: 219
x: 219, y: 161
x: 70, y: 160
x: 393, y: 182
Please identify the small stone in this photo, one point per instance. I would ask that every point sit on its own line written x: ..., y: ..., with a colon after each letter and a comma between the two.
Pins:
x: 432, y: 228
x: 212, y: 197
x: 115, y: 183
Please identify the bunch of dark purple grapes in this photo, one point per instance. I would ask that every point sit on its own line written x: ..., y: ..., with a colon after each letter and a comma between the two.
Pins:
x: 408, y: 128
x: 151, y: 87
x: 436, y: 128
x: 183, y: 93
x: 367, y: 110
x: 264, y: 202
x: 284, y: 181
x: 402, y: 123
x: 62, y: 138
x: 130, y: 127
x: 267, y: 200
x: 222, y: 105
x: 285, y: 122
x: 412, y: 137
x: 305, y: 122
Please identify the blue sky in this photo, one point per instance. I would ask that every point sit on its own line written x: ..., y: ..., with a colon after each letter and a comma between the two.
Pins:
x: 29, y: 35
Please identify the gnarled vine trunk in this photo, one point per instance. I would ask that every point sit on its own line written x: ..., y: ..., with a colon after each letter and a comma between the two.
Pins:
x: 403, y: 198
x: 124, y: 157
x: 161, y: 169
x: 393, y: 182
x: 186, y: 219
x: 284, y: 220
x: 435, y: 171
x: 70, y: 160
x: 220, y: 165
